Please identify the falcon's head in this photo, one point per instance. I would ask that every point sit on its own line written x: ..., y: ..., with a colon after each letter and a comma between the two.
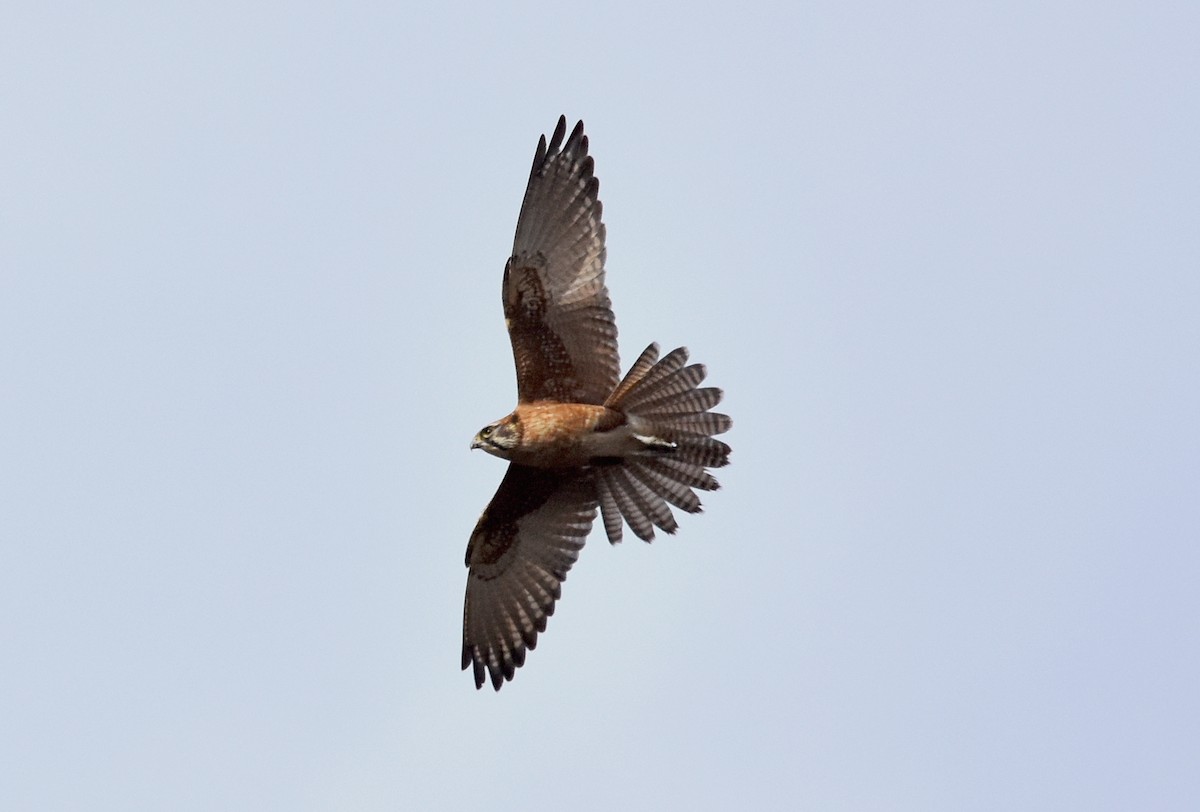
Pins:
x: 499, y: 438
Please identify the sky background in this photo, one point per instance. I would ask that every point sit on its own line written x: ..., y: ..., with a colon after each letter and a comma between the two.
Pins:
x: 944, y: 259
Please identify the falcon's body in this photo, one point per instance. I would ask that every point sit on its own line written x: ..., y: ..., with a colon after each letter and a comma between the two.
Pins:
x: 580, y: 438
x: 560, y: 435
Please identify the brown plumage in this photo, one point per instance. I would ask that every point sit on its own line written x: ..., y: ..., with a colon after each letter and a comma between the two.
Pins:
x: 581, y: 438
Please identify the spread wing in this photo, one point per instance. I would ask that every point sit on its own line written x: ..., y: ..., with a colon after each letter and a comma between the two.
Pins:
x: 556, y: 306
x: 519, y: 555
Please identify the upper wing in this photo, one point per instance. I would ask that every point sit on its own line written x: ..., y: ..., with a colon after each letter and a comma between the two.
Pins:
x: 519, y: 554
x: 556, y: 306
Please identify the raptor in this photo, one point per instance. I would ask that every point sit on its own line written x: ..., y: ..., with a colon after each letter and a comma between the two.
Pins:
x: 581, y: 438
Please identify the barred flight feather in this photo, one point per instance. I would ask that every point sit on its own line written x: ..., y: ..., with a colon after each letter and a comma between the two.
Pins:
x: 697, y: 400
x: 671, y: 490
x: 635, y: 517
x: 666, y: 387
x: 652, y: 504
x: 671, y: 362
x: 702, y: 423
x: 634, y: 376
x: 690, y: 474
x: 610, y: 513
x: 703, y: 451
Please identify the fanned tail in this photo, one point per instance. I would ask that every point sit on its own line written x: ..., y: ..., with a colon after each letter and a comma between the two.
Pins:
x: 668, y: 411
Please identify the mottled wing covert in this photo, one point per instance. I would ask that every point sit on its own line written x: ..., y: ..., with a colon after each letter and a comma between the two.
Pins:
x: 556, y: 305
x: 519, y: 555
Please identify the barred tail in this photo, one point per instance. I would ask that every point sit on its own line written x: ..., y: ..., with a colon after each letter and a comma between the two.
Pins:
x: 669, y: 412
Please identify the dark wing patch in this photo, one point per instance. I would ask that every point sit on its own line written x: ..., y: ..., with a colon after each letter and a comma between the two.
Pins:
x: 556, y: 304
x: 519, y: 555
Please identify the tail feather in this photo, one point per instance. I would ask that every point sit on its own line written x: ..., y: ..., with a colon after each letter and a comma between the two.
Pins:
x: 697, y: 400
x: 632, y: 384
x: 610, y: 511
x: 703, y: 451
x: 665, y: 403
x: 652, y: 504
x: 689, y: 474
x: 632, y: 508
x: 703, y: 423
x: 634, y: 376
x: 675, y: 492
x: 665, y: 388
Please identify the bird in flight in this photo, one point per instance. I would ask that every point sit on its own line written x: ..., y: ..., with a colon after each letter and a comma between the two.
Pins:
x: 581, y: 437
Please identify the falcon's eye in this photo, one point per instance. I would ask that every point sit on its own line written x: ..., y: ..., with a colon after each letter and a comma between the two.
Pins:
x: 487, y: 431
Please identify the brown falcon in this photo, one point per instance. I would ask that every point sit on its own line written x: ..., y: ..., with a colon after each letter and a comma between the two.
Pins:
x: 581, y: 437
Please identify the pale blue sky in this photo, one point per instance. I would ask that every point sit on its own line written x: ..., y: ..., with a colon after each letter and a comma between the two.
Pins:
x: 944, y: 258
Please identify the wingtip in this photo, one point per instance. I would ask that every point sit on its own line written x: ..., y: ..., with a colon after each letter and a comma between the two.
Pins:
x: 560, y: 131
x: 575, y: 144
x: 578, y: 142
x: 548, y: 149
